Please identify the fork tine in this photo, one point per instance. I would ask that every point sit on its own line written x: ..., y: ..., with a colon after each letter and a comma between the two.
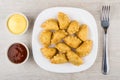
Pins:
x: 105, y: 12
x: 108, y: 12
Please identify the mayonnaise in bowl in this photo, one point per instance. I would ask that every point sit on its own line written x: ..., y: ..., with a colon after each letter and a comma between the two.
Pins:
x: 17, y: 23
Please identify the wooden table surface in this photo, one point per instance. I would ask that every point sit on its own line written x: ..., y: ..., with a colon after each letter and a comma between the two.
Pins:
x: 30, y: 70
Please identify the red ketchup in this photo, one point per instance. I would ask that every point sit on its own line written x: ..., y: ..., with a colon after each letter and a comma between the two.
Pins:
x: 17, y: 53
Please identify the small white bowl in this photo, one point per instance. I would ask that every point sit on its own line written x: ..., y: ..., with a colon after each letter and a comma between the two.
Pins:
x: 26, y: 57
x: 19, y: 14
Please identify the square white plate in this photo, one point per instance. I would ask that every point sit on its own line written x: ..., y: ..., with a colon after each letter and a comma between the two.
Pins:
x: 80, y: 15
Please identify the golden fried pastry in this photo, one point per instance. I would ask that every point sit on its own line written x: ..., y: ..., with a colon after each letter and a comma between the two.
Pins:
x: 59, y: 59
x: 48, y: 52
x: 63, y: 20
x: 69, y: 40
x: 83, y: 32
x: 73, y: 27
x: 45, y: 38
x: 72, y: 41
x: 58, y: 36
x: 62, y: 47
x: 84, y: 48
x: 74, y: 58
x: 50, y: 24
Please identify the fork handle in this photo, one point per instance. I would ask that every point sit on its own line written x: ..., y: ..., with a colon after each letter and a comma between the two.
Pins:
x: 105, y: 63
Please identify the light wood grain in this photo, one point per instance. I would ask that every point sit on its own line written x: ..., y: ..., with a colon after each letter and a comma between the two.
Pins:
x: 30, y: 70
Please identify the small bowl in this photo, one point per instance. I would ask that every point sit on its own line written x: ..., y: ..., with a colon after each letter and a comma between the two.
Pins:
x: 25, y: 58
x: 19, y: 14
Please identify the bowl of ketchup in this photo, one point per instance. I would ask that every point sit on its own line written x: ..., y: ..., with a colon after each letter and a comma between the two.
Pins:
x: 18, y: 53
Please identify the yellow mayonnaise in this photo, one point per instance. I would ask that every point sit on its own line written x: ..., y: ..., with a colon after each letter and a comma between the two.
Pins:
x: 17, y: 23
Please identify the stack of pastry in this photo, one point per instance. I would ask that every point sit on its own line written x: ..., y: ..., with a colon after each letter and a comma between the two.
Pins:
x: 64, y: 40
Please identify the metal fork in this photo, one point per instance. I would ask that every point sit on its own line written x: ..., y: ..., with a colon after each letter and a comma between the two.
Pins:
x: 105, y: 24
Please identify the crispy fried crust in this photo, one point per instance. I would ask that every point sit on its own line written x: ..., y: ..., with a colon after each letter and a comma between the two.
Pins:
x: 73, y: 27
x: 59, y: 59
x: 72, y: 41
x: 85, y: 48
x: 58, y: 36
x: 74, y: 58
x: 62, y: 47
x: 50, y: 24
x: 48, y: 52
x: 83, y: 32
x: 63, y: 20
x: 45, y: 38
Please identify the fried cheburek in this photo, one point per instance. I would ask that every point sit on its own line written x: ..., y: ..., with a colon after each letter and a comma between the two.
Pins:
x: 50, y: 24
x: 65, y: 40
x: 83, y: 32
x: 85, y: 48
x: 45, y: 38
x: 62, y: 47
x: 59, y: 59
x: 58, y: 36
x: 48, y: 52
x: 63, y: 20
x: 72, y: 41
x: 73, y: 27
x: 74, y: 58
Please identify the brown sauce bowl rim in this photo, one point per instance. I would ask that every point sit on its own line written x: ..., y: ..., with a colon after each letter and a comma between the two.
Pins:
x: 25, y: 58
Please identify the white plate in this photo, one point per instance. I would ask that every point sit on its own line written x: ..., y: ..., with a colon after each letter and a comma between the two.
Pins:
x: 75, y: 14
